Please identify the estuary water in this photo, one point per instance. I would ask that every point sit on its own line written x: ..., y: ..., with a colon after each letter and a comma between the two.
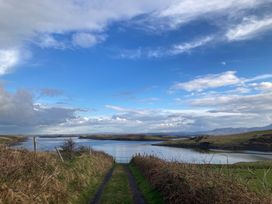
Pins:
x: 123, y: 151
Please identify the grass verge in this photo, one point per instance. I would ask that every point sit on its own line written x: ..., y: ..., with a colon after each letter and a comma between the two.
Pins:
x: 117, y: 191
x: 26, y: 177
x: 202, y: 184
x: 150, y: 194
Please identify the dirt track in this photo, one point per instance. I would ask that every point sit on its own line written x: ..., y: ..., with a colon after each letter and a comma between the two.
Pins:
x: 136, y: 194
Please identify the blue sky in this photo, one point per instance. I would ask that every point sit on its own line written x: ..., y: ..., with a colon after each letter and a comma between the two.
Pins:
x: 82, y: 66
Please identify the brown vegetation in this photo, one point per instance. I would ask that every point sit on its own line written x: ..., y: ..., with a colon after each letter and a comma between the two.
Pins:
x: 11, y: 140
x: 189, y: 183
x: 26, y: 177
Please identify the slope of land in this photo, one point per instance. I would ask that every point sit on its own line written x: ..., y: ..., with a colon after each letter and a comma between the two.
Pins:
x: 202, y: 184
x: 26, y: 177
x: 255, y: 141
x: 127, y: 137
x: 11, y: 140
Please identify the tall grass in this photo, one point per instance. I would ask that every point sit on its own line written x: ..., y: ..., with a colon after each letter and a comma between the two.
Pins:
x: 189, y: 183
x: 26, y: 177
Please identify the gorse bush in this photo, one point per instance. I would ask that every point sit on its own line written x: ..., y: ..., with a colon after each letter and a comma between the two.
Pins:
x: 195, y: 184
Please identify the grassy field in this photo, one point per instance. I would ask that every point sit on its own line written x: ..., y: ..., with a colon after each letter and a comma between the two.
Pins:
x: 257, y: 141
x: 191, y: 183
x: 117, y: 191
x: 127, y: 137
x: 10, y: 140
x: 151, y: 195
x: 26, y: 177
x: 256, y: 175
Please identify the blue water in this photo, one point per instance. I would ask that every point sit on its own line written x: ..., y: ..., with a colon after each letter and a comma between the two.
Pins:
x: 123, y: 151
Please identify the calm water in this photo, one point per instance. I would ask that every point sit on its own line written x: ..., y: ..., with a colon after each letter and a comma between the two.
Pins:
x: 123, y: 151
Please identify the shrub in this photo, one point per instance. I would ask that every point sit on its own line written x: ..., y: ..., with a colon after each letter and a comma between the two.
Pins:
x: 69, y: 150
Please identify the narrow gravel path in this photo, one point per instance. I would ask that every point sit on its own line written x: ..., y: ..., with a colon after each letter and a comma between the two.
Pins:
x: 98, y: 194
x: 138, y: 197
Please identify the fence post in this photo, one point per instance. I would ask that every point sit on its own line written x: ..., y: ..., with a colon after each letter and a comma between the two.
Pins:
x: 34, y: 144
x: 59, y: 154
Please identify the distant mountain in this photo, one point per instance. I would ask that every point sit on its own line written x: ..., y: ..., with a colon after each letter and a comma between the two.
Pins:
x: 226, y: 131
x: 219, y: 131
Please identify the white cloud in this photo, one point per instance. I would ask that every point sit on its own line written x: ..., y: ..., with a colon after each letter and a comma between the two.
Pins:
x: 21, y: 21
x: 188, y: 46
x: 259, y: 77
x: 86, y: 40
x: 253, y: 103
x: 208, y: 81
x: 176, y: 49
x: 249, y: 28
x: 263, y: 86
x: 83, y: 23
x: 225, y: 79
x: 184, y: 11
x: 8, y: 59
x: 48, y: 41
x: 19, y: 113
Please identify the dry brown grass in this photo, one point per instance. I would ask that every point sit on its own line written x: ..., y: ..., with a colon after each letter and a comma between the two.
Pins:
x: 189, y: 184
x: 11, y: 139
x: 43, y: 178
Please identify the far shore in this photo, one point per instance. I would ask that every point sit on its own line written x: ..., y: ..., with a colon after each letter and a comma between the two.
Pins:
x: 259, y: 141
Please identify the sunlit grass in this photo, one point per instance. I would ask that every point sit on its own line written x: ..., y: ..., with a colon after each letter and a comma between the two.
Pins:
x: 117, y: 191
x: 26, y: 177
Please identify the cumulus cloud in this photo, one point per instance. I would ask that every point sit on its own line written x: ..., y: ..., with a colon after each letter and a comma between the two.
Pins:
x: 18, y: 111
x: 208, y: 81
x: 205, y: 118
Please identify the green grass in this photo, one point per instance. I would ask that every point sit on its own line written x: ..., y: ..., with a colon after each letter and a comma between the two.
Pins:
x: 151, y: 195
x: 92, y: 183
x: 257, y: 140
x: 257, y: 175
x: 117, y: 190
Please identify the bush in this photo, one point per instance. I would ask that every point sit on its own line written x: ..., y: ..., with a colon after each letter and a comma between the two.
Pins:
x: 69, y: 150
